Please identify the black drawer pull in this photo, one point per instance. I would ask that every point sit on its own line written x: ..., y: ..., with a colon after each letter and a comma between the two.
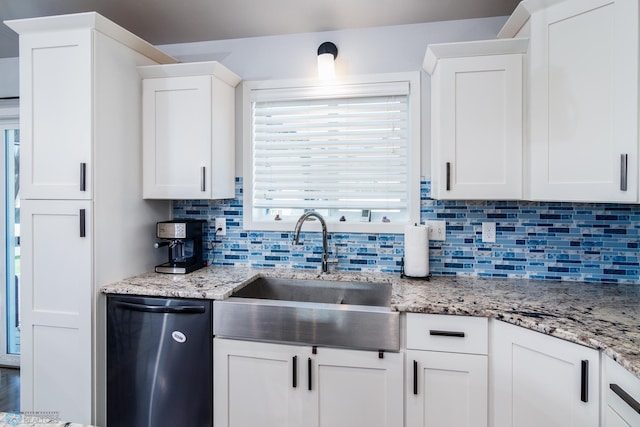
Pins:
x: 448, y: 182
x: 584, y: 383
x: 83, y: 227
x: 454, y: 334
x: 624, y: 158
x: 83, y: 177
x: 295, y: 371
x: 628, y: 399
x: 309, y: 377
x: 415, y: 377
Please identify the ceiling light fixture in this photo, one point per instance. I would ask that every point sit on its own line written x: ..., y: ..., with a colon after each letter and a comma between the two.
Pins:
x: 327, y: 53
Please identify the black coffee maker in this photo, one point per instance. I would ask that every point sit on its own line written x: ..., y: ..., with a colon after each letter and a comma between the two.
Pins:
x: 184, y: 239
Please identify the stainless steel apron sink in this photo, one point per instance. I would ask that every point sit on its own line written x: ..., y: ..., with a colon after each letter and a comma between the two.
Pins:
x: 314, y: 312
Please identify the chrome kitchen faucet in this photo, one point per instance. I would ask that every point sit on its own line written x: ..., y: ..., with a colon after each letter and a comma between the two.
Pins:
x: 325, y: 245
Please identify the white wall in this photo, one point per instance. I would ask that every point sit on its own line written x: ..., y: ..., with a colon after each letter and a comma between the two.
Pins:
x: 9, y: 77
x: 363, y: 51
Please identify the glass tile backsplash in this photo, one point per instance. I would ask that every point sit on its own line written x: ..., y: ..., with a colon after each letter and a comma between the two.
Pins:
x: 536, y: 240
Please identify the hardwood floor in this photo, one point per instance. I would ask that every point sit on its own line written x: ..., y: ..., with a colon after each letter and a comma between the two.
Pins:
x: 9, y: 390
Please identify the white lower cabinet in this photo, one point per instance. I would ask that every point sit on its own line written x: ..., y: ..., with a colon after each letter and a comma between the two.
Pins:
x: 446, y: 389
x: 56, y: 308
x: 620, y: 396
x: 279, y: 385
x: 539, y: 380
x: 446, y: 374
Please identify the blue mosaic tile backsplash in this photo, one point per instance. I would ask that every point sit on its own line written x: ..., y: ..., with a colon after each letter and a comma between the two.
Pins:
x: 536, y: 240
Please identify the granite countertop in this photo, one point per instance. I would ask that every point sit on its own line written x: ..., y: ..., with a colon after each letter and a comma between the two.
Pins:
x: 601, y: 316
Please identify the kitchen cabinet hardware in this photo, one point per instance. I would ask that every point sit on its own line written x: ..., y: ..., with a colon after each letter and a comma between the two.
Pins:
x: 454, y: 334
x: 203, y: 178
x: 584, y: 382
x: 309, y: 366
x: 381, y: 354
x: 448, y: 185
x: 415, y: 377
x: 175, y: 309
x: 83, y: 231
x: 628, y: 399
x: 83, y: 177
x: 314, y: 350
x: 624, y: 158
x: 295, y: 371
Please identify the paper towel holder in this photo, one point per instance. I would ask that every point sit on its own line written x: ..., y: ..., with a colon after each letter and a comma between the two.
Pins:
x: 404, y: 276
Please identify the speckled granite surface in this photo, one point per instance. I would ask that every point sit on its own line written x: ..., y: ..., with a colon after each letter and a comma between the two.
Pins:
x: 600, y: 316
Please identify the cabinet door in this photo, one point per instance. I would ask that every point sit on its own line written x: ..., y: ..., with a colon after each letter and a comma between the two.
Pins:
x: 477, y: 127
x: 621, y: 395
x: 540, y: 380
x: 354, y: 388
x: 584, y: 101
x: 56, y: 115
x: 255, y: 384
x: 56, y: 302
x: 446, y: 389
x: 177, y: 137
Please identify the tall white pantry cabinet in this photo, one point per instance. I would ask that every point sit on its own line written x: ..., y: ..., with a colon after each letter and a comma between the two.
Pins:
x: 84, y: 222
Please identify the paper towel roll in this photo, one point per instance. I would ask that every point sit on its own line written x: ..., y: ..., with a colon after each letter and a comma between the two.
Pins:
x: 416, y: 251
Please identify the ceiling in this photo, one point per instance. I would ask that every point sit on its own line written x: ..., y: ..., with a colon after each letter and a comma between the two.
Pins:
x: 180, y: 21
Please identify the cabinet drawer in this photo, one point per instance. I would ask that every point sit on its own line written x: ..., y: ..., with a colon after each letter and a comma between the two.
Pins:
x: 458, y: 334
x: 621, y: 391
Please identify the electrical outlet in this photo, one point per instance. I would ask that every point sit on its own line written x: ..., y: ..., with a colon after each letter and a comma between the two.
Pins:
x: 220, y: 223
x: 437, y: 230
x: 488, y: 232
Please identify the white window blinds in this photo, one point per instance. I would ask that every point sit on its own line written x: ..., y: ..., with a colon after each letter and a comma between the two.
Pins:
x: 342, y: 152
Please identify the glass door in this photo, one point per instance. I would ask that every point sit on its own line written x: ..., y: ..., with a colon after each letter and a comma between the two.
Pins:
x: 10, y: 295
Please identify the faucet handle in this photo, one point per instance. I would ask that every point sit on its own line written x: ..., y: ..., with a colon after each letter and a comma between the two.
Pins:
x: 333, y: 260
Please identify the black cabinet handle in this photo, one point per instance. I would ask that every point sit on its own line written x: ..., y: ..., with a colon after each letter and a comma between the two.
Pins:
x: 446, y: 333
x: 623, y: 171
x: 203, y: 175
x: 584, y: 383
x: 628, y: 399
x: 415, y: 377
x: 83, y: 228
x: 83, y: 177
x: 309, y: 372
x: 448, y: 176
x: 295, y: 371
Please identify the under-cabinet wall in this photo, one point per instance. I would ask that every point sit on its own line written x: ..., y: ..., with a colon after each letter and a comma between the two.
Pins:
x: 556, y: 241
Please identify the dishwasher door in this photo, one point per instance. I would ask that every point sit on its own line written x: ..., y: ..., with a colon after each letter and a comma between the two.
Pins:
x: 159, y: 362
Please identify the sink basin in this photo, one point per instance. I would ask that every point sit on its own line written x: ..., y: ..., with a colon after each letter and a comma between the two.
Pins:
x: 314, y: 312
x: 320, y: 291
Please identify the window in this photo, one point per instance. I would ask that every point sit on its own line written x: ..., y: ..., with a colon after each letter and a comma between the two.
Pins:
x: 10, y: 231
x: 350, y: 151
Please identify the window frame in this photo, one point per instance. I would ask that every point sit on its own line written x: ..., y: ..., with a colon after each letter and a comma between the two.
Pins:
x: 314, y: 88
x: 9, y: 119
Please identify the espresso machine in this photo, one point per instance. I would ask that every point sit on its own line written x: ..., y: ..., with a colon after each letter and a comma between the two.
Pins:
x: 184, y: 239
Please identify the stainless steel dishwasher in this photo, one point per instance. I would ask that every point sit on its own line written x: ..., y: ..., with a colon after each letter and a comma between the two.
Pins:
x: 159, y: 362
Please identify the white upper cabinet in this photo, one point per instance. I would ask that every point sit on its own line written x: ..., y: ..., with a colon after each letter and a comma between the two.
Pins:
x: 582, y: 98
x: 188, y: 131
x: 476, y: 119
x: 56, y: 114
